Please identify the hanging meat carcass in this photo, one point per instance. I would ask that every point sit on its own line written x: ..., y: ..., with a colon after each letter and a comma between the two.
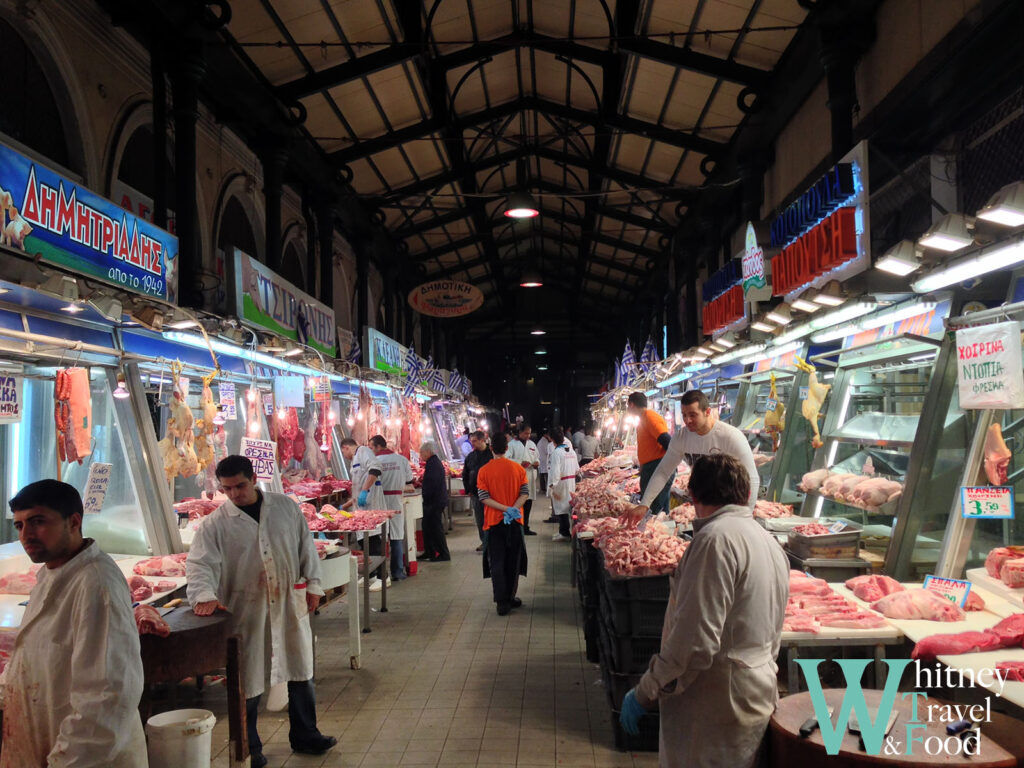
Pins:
x: 316, y: 460
x: 775, y: 421
x: 360, y: 429
x: 73, y: 414
x: 997, y: 456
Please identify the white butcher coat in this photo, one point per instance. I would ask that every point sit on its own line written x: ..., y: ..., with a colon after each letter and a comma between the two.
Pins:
x: 519, y: 453
x: 562, y: 468
x: 253, y: 569
x: 362, y: 463
x: 396, y: 474
x: 72, y: 687
x: 714, y: 677
x: 544, y: 452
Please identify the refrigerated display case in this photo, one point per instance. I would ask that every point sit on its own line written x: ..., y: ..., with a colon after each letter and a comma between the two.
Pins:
x: 892, y: 413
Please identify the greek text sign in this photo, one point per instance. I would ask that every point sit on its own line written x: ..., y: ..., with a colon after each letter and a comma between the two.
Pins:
x: 11, y: 393
x: 267, y: 300
x: 262, y: 455
x: 953, y: 590
x: 988, y: 366
x: 228, y: 402
x: 753, y: 262
x: 987, y: 501
x: 445, y: 298
x: 96, y: 487
x: 41, y: 212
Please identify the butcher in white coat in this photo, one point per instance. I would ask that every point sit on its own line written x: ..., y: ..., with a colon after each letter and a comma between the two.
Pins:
x: 524, y: 453
x: 396, y: 475
x: 254, y: 557
x: 562, y: 468
x: 714, y: 677
x: 366, y: 474
x: 71, y: 691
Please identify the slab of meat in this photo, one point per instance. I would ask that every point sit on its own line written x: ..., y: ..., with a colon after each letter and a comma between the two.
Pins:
x: 974, y: 602
x: 1012, y: 572
x: 997, y: 455
x: 998, y: 556
x: 953, y: 645
x: 873, y: 587
x: 169, y: 565
x: 858, y: 620
x: 918, y: 604
x: 812, y: 481
x: 140, y: 588
x: 149, y: 622
x: 196, y: 508
x: 800, y: 623
x: 19, y: 583
x: 808, y: 586
x: 1014, y: 670
x: 164, y: 586
x: 811, y: 529
x: 1010, y: 630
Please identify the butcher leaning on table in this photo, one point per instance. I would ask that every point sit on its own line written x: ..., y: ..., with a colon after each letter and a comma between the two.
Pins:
x: 250, y: 556
x: 71, y: 691
x: 714, y: 677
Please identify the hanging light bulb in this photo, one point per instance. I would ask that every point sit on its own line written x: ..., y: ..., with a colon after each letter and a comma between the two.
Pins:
x: 359, y: 415
x: 351, y: 422
x: 324, y: 446
x: 121, y: 392
x: 250, y: 395
x: 331, y: 418
x: 282, y: 413
x: 254, y: 428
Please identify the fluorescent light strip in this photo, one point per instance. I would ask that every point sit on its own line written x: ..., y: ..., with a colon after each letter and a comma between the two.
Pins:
x: 893, y: 315
x: 735, y: 354
x: 989, y: 259
x: 775, y: 351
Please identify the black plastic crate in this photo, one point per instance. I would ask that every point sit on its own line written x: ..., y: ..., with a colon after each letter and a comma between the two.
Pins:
x: 629, y: 655
x: 616, y: 685
x: 591, y: 634
x: 616, y: 615
x: 640, y: 588
x: 647, y: 617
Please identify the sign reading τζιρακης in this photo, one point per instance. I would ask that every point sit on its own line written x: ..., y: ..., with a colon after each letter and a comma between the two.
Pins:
x: 988, y: 366
x: 990, y: 501
x: 262, y: 454
x: 445, y: 298
x: 44, y: 213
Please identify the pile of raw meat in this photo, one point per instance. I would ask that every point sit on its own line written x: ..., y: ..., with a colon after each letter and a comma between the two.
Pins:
x: 1006, y: 564
x: 165, y: 565
x: 150, y: 622
x: 19, y: 583
x: 863, y: 491
x: 143, y: 589
x: 920, y: 604
x: 814, y: 605
x: 301, y: 484
x: 768, y: 510
x: 614, y: 460
x: 7, y: 638
x: 330, y: 519
x: 683, y: 514
x: 197, y: 508
x: 1008, y: 633
x: 599, y: 526
x: 811, y: 529
x: 630, y: 553
x: 596, y: 498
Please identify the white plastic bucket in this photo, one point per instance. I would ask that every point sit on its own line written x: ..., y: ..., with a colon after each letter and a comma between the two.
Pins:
x: 180, y: 739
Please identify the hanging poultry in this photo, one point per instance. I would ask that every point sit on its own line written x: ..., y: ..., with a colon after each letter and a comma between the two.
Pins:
x: 816, y: 393
x: 775, y: 421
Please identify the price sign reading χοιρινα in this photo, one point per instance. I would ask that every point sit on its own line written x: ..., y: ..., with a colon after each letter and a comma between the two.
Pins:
x: 987, y: 501
x: 262, y: 454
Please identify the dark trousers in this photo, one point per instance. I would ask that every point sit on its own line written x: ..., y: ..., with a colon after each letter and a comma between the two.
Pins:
x: 434, y: 542
x: 526, y: 513
x: 584, y: 462
x: 563, y: 525
x: 301, y: 716
x: 478, y: 513
x: 660, y: 503
x: 504, y: 553
x: 543, y: 482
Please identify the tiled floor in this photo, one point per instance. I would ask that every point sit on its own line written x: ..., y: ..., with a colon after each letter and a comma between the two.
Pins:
x: 445, y: 681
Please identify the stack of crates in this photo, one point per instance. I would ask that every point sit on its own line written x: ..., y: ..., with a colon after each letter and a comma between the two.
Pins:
x: 588, y: 585
x: 630, y: 618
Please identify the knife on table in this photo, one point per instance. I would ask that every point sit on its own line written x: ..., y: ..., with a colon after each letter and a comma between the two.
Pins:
x: 811, y: 725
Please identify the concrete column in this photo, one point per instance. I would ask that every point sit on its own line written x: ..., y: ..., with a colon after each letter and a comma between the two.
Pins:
x: 189, y: 69
x: 274, y: 159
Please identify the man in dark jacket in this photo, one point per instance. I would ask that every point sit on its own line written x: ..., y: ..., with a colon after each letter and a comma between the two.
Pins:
x: 435, y: 498
x: 479, y: 456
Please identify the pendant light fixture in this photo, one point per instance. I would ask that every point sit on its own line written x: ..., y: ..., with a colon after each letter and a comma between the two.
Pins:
x: 521, y: 205
x: 531, y: 279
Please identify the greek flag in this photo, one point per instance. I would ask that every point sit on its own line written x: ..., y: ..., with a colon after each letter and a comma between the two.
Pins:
x: 455, y: 381
x: 649, y: 355
x: 413, y: 370
x: 618, y: 374
x: 434, y: 377
x: 629, y: 374
x: 355, y: 351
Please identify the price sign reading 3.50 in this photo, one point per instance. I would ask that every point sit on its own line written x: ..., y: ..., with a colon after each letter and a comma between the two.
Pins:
x: 994, y: 502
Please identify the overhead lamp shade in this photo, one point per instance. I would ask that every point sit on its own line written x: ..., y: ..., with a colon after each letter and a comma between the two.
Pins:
x: 540, y: 351
x: 830, y: 296
x: 780, y: 315
x: 948, y: 234
x: 107, y: 306
x: 538, y: 332
x: 727, y: 341
x: 531, y: 279
x: 521, y: 205
x: 61, y: 286
x: 762, y: 325
x: 805, y: 305
x: 900, y: 260
x: 1006, y: 206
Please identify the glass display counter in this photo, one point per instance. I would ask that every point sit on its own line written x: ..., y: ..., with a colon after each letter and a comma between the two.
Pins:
x: 756, y: 399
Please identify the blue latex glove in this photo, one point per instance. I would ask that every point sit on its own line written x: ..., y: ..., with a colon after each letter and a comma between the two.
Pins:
x: 512, y: 514
x: 629, y: 717
x: 363, y: 495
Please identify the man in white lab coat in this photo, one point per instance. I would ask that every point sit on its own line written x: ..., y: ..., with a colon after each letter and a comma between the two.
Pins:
x: 562, y: 468
x: 524, y: 453
x: 396, y: 475
x: 71, y: 690
x: 714, y: 678
x: 254, y: 556
x: 367, y: 492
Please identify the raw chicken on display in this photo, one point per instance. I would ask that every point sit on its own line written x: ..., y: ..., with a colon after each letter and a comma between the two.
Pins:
x: 630, y: 553
x: 816, y: 393
x: 775, y: 421
x: 767, y: 510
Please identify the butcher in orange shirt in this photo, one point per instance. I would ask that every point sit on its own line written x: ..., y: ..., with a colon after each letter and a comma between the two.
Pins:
x: 503, y: 489
x: 652, y: 439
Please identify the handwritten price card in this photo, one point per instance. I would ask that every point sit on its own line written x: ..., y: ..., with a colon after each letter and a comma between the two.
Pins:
x: 262, y: 454
x: 96, y: 487
x: 991, y: 502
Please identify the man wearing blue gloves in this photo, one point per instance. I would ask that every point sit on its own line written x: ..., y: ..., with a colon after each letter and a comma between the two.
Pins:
x: 503, y: 489
x: 714, y: 678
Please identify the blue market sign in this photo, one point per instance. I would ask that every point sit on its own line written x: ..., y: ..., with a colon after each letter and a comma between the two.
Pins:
x: 43, y: 213
x: 829, y: 193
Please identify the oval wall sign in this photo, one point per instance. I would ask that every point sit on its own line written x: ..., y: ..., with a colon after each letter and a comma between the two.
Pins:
x: 445, y: 298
